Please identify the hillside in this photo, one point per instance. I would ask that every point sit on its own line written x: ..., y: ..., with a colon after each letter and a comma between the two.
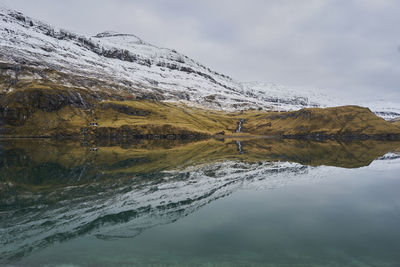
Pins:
x: 126, y: 67
x: 396, y: 122
x: 50, y: 110
x: 336, y: 122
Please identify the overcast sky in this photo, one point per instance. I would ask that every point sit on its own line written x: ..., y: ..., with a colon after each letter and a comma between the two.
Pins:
x: 348, y: 48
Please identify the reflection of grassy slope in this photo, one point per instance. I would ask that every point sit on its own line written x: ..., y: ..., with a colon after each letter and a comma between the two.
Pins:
x: 44, y: 165
x: 149, y: 156
x: 25, y: 161
x: 329, y: 153
x: 352, y: 154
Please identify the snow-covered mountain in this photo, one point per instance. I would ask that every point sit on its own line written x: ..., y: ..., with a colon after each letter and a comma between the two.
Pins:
x: 126, y: 65
x: 120, y: 62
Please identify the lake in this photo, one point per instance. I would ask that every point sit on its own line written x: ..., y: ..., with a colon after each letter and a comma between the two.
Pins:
x: 254, y: 202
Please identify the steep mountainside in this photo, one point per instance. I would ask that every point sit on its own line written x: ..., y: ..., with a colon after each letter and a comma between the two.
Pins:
x: 123, y: 65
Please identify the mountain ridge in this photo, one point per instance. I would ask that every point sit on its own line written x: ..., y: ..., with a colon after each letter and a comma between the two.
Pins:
x: 129, y: 65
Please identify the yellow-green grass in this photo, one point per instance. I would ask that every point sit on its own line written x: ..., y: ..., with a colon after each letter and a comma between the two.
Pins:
x: 147, y: 117
x: 161, y: 113
x: 396, y: 122
x: 163, y: 118
x: 336, y: 120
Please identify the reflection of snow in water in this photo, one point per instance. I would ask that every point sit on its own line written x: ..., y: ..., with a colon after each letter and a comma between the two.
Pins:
x: 388, y: 161
x: 115, y: 210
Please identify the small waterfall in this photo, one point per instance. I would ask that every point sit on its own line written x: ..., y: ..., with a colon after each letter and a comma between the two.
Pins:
x: 239, y: 128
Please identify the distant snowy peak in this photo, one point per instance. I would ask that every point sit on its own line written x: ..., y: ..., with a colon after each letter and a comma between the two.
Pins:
x: 293, y: 98
x: 385, y: 109
x: 288, y: 98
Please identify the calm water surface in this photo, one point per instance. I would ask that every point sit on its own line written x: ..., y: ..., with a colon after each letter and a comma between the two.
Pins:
x: 210, y: 203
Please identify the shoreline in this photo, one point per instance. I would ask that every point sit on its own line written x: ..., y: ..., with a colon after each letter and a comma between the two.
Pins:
x: 309, y: 137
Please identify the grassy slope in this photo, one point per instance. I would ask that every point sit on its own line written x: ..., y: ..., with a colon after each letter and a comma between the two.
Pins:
x: 162, y: 118
x: 47, y: 109
x: 161, y: 113
x: 396, y: 123
x: 337, y: 121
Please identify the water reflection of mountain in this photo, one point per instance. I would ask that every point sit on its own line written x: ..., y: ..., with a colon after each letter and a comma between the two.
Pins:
x: 52, y: 192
